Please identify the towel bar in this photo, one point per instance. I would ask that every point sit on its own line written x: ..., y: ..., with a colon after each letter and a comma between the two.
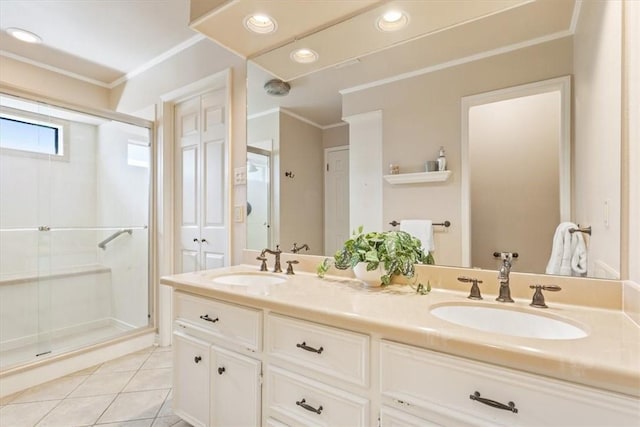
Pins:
x: 444, y: 224
x: 586, y: 230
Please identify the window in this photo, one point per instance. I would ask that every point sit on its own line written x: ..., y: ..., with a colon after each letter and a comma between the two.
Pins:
x: 25, y: 134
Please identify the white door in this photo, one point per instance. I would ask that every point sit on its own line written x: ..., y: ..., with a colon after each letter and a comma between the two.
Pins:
x: 336, y: 194
x: 235, y: 391
x: 201, y: 147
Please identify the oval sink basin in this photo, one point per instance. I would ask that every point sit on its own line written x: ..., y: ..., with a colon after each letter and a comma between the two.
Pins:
x: 508, y: 322
x: 249, y: 279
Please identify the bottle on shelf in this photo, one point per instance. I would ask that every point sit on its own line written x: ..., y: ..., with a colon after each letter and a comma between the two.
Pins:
x: 442, y: 161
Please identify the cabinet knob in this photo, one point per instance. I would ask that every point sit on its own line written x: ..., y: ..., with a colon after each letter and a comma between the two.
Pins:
x: 221, y: 370
x: 197, y: 359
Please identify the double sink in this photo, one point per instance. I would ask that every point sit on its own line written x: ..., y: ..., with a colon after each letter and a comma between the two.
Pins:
x: 506, y: 320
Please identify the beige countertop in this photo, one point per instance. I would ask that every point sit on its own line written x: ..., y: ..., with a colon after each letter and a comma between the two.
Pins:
x: 607, y: 358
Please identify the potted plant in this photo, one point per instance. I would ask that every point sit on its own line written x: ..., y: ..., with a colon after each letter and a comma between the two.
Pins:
x: 394, y: 252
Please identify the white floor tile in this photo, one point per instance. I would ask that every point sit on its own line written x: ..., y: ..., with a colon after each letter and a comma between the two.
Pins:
x: 172, y: 421
x: 151, y: 379
x: 159, y: 359
x: 99, y: 384
x: 53, y: 390
x: 134, y: 406
x: 136, y: 423
x: 166, y: 409
x: 77, y: 412
x: 25, y: 414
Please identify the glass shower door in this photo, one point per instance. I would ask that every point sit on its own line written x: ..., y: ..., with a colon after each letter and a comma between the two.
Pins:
x: 74, y: 230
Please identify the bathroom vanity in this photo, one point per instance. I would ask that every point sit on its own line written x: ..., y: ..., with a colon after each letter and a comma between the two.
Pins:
x: 254, y: 348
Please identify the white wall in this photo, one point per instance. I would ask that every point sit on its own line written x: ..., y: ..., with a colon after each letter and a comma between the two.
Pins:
x: 597, y: 112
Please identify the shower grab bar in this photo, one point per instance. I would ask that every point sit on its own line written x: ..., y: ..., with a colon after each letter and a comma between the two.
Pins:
x: 49, y: 228
x: 103, y: 245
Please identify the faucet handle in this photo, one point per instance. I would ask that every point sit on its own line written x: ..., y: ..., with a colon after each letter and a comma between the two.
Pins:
x: 263, y: 265
x: 290, y: 266
x: 538, y: 297
x: 474, y: 293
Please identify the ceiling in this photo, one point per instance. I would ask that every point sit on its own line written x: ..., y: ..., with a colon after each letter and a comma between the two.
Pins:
x: 447, y: 39
x: 100, y: 41
x: 107, y: 41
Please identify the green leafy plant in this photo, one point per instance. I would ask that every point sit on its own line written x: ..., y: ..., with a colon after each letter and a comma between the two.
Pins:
x: 397, y: 251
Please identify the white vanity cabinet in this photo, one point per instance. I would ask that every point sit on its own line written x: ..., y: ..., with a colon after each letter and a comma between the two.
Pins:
x: 448, y: 390
x: 214, y: 383
x: 320, y: 374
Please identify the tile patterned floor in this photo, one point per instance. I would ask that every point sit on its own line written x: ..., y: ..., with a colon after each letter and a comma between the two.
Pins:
x: 132, y: 391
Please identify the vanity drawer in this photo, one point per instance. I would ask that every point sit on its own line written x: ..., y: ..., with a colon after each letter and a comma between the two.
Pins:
x: 335, y: 352
x: 309, y: 402
x: 442, y: 384
x: 241, y: 325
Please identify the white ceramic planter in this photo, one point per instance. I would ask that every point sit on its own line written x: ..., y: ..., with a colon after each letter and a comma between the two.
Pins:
x: 370, y: 278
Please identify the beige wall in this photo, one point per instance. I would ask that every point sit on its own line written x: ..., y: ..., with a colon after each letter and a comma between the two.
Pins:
x: 514, y: 177
x: 335, y: 136
x: 423, y: 113
x: 48, y: 84
x: 301, y: 197
x: 597, y: 112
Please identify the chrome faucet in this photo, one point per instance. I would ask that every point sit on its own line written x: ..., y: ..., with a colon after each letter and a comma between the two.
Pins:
x: 504, y: 294
x: 276, y: 253
x: 295, y: 249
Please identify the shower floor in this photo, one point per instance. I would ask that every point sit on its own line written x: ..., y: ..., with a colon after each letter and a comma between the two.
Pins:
x: 27, y: 353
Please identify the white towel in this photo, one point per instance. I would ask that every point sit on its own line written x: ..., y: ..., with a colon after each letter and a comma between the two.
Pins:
x: 421, y: 229
x: 568, y: 252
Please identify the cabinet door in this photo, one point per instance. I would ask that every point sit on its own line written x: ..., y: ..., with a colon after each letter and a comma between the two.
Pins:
x: 235, y: 389
x: 191, y: 379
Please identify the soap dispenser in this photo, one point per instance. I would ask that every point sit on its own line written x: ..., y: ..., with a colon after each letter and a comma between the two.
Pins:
x: 442, y: 160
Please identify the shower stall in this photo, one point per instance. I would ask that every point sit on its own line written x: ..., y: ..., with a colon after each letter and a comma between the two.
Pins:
x: 74, y: 229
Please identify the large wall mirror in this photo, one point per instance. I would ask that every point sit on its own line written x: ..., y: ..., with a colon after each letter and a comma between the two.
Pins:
x: 299, y: 167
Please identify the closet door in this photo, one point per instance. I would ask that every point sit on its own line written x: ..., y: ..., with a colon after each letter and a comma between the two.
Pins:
x: 187, y: 185
x: 201, y: 183
x: 213, y: 234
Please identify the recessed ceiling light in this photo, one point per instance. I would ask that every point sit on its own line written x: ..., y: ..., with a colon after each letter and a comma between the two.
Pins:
x: 392, y: 20
x: 304, y: 56
x: 24, y: 35
x: 260, y: 24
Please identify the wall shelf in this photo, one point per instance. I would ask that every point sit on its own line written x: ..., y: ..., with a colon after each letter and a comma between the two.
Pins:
x: 418, y: 177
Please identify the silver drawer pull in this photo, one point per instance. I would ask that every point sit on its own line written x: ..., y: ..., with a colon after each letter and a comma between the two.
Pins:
x: 309, y: 407
x: 508, y: 407
x: 209, y: 319
x: 304, y: 346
